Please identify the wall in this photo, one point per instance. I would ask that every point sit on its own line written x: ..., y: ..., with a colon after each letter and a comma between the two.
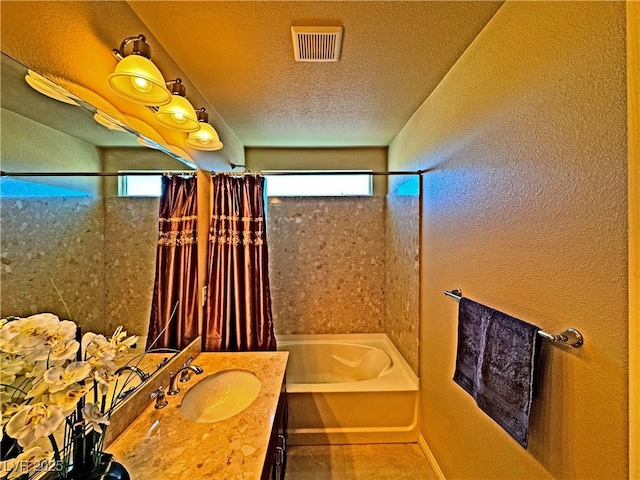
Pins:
x: 633, y: 126
x: 130, y: 244
x: 100, y: 253
x: 326, y: 264
x: 258, y: 159
x: 402, y: 269
x: 53, y: 239
x: 525, y: 209
x: 29, y: 146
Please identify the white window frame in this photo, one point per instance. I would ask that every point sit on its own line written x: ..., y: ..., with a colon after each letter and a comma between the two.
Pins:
x: 326, y: 174
x: 124, y: 178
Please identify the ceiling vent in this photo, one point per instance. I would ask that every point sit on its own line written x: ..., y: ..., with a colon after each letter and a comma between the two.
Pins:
x: 316, y: 44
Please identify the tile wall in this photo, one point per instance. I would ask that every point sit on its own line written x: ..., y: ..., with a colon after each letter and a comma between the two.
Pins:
x: 402, y: 274
x: 100, y: 252
x: 337, y: 265
x: 53, y: 239
x: 327, y: 264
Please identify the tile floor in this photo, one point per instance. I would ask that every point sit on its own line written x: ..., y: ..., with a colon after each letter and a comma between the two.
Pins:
x: 393, y: 461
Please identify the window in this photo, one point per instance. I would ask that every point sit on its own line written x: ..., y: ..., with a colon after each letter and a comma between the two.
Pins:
x: 140, y: 185
x: 314, y: 183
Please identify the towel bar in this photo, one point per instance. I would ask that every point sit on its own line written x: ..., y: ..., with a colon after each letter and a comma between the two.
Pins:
x: 570, y: 336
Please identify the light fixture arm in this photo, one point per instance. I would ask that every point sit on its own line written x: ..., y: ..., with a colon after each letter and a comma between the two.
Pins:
x: 203, y: 116
x: 176, y: 87
x: 140, y: 47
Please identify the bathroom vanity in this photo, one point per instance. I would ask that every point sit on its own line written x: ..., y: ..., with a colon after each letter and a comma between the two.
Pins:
x: 251, y: 444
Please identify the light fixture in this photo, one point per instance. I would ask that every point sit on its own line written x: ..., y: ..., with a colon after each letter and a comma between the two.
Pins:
x: 206, y: 138
x: 48, y: 88
x: 108, y: 121
x: 135, y: 77
x: 178, y: 113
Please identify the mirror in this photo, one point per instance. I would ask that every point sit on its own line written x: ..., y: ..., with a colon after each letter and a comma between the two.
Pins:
x: 70, y: 245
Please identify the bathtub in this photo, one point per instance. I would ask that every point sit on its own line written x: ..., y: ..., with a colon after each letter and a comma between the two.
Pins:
x: 345, y: 389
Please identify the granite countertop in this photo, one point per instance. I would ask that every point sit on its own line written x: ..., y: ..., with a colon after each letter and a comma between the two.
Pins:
x: 163, y: 444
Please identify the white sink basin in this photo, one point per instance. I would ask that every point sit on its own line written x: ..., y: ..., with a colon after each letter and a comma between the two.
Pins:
x: 220, y: 396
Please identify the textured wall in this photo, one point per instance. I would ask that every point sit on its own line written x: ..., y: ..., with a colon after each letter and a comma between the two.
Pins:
x: 99, y: 252
x: 28, y: 146
x: 131, y: 239
x: 525, y: 209
x: 402, y: 272
x: 327, y: 264
x: 55, y: 239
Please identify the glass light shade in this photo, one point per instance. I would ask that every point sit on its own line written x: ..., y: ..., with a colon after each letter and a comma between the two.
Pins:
x: 108, y: 121
x: 206, y: 138
x: 138, y: 80
x: 48, y: 88
x: 178, y: 114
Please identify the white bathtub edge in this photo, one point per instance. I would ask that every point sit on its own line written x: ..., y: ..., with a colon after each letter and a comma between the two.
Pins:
x: 405, y: 380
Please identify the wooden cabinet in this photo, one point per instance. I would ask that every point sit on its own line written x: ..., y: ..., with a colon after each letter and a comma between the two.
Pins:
x: 276, y: 460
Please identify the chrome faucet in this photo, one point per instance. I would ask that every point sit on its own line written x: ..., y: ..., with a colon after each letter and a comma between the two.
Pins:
x: 138, y: 371
x: 183, y: 375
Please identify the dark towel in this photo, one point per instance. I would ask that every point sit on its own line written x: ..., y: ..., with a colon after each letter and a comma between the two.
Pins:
x: 496, y: 365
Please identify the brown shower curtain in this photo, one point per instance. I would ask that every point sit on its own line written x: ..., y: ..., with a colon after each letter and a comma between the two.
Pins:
x: 175, y: 292
x: 237, y: 315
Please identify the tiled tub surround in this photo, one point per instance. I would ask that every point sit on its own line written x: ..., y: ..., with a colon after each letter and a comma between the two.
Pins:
x: 327, y: 264
x: 164, y: 444
x: 53, y: 239
x: 131, y: 238
x: 100, y: 252
x: 402, y: 274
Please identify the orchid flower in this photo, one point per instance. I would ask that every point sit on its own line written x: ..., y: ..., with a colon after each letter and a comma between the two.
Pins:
x: 32, y: 422
x: 94, y: 417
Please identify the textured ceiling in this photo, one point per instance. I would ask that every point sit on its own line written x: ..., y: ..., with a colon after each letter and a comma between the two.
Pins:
x: 236, y: 58
x: 239, y: 55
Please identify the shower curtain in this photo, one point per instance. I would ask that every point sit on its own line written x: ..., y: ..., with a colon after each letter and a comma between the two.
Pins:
x: 237, y: 314
x: 174, y: 309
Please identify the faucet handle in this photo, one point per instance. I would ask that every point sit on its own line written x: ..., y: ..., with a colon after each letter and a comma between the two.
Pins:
x: 161, y: 400
x: 185, y: 376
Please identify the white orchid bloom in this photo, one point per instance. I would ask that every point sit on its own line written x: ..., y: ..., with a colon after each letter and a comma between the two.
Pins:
x: 7, y: 377
x: 69, y: 397
x: 119, y: 338
x: 7, y: 411
x: 12, y: 363
x: 38, y: 392
x: 100, y: 350
x: 103, y: 374
x: 26, y: 334
x: 58, y: 378
x: 94, y: 417
x: 64, y: 351
x: 59, y: 343
x: 32, y: 422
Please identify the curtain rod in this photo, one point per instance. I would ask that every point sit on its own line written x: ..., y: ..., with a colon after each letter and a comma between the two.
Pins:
x: 93, y: 174
x: 191, y: 172
x: 322, y: 172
